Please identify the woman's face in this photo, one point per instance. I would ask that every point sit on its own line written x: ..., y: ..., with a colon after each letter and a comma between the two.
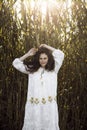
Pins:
x: 43, y: 60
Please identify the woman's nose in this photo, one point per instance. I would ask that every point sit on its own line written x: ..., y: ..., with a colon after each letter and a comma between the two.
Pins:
x: 42, y: 59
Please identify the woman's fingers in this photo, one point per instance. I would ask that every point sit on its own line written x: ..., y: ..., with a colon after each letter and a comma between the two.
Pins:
x: 42, y: 45
x: 32, y: 51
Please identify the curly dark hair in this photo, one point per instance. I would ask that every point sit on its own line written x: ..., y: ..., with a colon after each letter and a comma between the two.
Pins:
x: 33, y: 64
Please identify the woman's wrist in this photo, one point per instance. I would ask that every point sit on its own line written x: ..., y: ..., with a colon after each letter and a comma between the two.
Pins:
x: 24, y: 57
x: 31, y: 52
x: 50, y: 48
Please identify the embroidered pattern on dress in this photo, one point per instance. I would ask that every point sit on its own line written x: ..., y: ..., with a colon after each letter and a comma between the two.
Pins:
x: 43, y: 100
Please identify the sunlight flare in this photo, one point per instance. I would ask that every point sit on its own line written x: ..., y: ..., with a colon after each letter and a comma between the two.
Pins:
x: 42, y: 7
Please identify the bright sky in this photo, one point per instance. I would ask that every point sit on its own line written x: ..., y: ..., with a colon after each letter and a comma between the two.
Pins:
x: 42, y: 4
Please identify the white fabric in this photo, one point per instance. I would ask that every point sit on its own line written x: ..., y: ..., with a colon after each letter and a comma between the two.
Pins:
x: 41, y: 116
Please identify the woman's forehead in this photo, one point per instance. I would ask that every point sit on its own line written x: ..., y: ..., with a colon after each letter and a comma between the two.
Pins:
x: 43, y: 55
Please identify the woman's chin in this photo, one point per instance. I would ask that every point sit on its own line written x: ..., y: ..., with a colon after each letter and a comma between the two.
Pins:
x: 43, y: 66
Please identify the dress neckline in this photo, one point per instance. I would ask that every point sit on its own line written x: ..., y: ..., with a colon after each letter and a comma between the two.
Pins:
x: 41, y: 69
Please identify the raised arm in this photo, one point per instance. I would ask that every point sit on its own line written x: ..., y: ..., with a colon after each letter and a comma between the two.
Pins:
x: 18, y: 62
x: 48, y: 47
x: 58, y: 56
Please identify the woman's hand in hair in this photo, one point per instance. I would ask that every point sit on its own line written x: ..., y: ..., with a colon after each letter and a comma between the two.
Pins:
x: 43, y: 45
x: 32, y: 51
x: 47, y: 46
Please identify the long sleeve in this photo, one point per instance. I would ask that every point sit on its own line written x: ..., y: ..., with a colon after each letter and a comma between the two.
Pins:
x: 58, y: 57
x: 18, y: 64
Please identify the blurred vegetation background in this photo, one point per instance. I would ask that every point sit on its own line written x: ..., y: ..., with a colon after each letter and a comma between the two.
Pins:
x: 61, y: 24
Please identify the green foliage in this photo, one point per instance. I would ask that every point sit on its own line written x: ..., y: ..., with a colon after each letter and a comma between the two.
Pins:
x: 61, y: 27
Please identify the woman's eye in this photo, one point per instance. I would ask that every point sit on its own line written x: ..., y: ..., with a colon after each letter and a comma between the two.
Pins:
x: 43, y: 58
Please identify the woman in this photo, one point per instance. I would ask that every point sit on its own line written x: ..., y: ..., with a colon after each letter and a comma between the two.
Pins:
x: 41, y: 110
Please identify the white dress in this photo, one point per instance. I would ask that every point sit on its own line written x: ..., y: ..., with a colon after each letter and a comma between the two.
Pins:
x: 41, y: 110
